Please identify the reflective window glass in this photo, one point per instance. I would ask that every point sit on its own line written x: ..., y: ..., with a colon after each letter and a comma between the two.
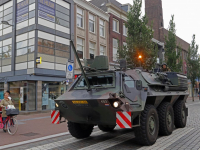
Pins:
x: 6, y: 55
x: 1, y: 14
x: 62, y: 9
x: 62, y: 16
x: 62, y: 54
x: 62, y: 22
x: 46, y: 43
x: 45, y: 50
x: 7, y: 48
x: 62, y: 47
x: 22, y: 44
x: 31, y: 49
x: 8, y: 17
x: 31, y: 42
x: 32, y: 14
x: 22, y: 51
x: 31, y: 1
x: 8, y: 11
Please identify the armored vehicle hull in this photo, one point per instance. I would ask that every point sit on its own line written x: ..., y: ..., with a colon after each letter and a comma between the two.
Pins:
x: 153, y: 102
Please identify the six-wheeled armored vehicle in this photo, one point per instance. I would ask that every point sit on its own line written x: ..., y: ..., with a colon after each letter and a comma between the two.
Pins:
x: 150, y: 103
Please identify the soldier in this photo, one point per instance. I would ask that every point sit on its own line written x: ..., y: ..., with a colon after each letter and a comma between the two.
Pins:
x: 165, y: 68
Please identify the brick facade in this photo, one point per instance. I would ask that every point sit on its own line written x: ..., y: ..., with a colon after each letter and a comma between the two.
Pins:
x: 154, y: 12
x: 115, y: 35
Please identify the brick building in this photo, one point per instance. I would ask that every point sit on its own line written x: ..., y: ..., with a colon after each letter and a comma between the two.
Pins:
x: 154, y: 12
x: 91, y: 31
x: 117, y: 29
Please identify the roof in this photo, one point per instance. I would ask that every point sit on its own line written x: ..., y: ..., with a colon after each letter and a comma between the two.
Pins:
x: 102, y: 4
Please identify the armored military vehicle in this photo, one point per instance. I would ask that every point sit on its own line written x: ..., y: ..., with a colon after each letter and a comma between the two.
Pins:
x: 150, y: 103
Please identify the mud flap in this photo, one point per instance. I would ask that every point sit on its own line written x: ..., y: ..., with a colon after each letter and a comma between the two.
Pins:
x: 55, y: 117
x: 123, y: 119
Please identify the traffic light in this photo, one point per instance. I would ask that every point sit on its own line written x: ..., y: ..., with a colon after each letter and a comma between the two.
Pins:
x: 38, y: 60
x: 140, y: 57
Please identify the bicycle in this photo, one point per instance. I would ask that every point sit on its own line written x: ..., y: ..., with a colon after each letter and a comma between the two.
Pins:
x: 10, y: 122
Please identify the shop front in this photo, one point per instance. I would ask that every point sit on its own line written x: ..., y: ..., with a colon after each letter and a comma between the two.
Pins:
x: 23, y: 95
x: 51, y: 91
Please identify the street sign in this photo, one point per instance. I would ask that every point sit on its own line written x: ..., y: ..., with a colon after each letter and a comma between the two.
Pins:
x: 70, y: 69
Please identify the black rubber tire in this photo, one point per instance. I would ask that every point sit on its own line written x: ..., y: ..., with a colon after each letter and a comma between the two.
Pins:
x: 80, y: 131
x: 142, y: 134
x: 106, y: 128
x: 179, y: 120
x: 163, y: 110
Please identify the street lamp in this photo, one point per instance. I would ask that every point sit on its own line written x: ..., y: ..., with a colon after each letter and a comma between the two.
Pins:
x: 140, y: 57
x: 6, y: 23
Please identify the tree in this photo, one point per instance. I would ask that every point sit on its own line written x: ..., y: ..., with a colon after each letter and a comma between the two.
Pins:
x: 172, y: 51
x: 139, y: 40
x: 193, y: 63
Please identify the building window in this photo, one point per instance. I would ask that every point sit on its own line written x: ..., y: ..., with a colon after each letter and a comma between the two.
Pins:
x: 92, y: 50
x: 124, y: 30
x: 79, y: 17
x: 80, y: 47
x: 102, y: 50
x: 91, y: 23
x: 115, y: 25
x: 6, y: 15
x: 125, y: 44
x: 115, y: 47
x: 102, y: 28
x: 53, y: 48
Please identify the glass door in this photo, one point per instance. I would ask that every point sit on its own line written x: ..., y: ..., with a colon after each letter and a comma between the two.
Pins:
x: 31, y: 96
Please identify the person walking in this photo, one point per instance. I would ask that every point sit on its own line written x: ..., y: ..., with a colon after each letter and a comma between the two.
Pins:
x: 4, y: 103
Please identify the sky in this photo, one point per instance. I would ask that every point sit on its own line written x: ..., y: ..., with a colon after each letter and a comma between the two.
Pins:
x: 186, y: 17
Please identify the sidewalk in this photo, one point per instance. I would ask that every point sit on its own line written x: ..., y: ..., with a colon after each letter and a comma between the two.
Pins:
x: 31, y: 127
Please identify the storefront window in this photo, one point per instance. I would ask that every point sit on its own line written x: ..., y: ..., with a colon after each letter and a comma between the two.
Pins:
x: 1, y: 91
x: 23, y: 95
x: 51, y: 91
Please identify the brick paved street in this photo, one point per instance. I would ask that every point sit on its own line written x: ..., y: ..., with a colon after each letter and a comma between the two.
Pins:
x: 186, y: 138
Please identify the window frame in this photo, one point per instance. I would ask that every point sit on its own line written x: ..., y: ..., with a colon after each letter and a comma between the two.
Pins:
x: 104, y: 50
x: 93, y: 48
x: 124, y: 28
x: 77, y: 44
x: 92, y: 21
x: 115, y: 48
x: 82, y: 15
x: 103, y: 26
x: 117, y: 24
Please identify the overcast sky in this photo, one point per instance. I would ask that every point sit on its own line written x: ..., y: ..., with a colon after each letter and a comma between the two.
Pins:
x: 186, y: 15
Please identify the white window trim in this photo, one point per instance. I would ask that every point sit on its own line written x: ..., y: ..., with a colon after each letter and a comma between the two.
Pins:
x: 113, y: 48
x: 103, y: 28
x: 93, y: 21
x: 105, y: 54
x: 92, y: 48
x: 83, y: 45
x: 125, y: 30
x: 117, y: 25
x: 80, y: 15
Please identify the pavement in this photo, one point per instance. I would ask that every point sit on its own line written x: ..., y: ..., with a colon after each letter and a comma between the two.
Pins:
x: 36, y: 132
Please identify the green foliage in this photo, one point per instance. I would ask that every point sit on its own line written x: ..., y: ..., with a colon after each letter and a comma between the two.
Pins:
x: 139, y: 40
x: 193, y: 61
x: 172, y: 52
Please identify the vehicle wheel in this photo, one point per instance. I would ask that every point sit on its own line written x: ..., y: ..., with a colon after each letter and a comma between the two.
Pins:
x: 12, y: 126
x: 166, y: 118
x: 106, y: 128
x: 79, y: 130
x: 147, y: 133
x: 180, y: 117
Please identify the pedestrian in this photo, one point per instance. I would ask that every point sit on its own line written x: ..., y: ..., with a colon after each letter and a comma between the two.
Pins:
x: 9, y: 95
x: 4, y: 103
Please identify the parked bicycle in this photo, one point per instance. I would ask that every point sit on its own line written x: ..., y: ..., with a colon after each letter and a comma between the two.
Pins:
x: 11, y: 124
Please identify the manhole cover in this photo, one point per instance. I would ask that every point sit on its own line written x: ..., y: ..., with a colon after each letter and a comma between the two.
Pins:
x: 30, y: 134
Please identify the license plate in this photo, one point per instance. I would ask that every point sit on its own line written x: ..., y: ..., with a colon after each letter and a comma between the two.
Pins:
x: 79, y: 102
